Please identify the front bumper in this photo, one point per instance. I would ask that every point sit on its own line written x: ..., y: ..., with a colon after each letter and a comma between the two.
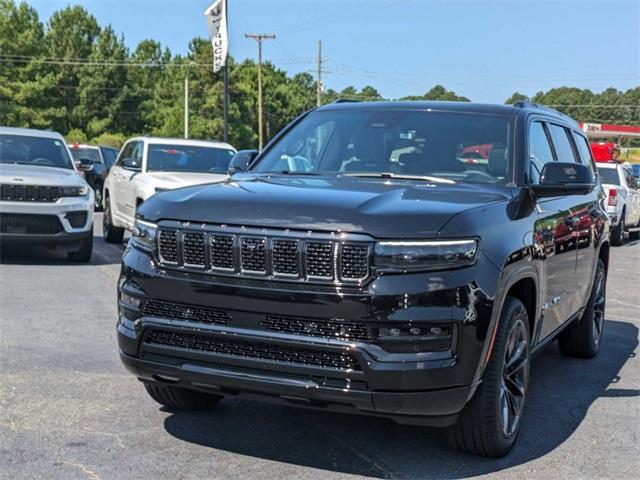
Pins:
x: 428, y: 387
x: 66, y: 231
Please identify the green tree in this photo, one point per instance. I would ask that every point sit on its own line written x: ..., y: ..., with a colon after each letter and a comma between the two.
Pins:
x: 516, y: 97
x: 439, y: 93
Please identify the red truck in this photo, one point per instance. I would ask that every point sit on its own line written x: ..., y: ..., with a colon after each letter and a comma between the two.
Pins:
x: 606, y: 152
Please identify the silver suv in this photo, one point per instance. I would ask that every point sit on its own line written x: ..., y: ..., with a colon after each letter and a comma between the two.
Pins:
x: 43, y: 199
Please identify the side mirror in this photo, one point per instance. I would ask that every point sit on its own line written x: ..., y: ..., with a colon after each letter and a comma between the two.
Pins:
x: 560, y: 178
x: 84, y: 165
x: 241, y: 161
x: 131, y: 164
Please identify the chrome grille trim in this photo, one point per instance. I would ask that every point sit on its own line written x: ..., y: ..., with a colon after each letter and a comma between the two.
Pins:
x: 278, y: 254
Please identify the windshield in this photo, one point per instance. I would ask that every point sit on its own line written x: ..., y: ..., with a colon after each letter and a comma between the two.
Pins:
x: 43, y: 152
x: 609, y: 176
x: 395, y: 143
x: 92, y: 154
x: 180, y: 158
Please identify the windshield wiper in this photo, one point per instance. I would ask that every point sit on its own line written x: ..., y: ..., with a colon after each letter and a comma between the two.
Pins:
x: 291, y: 172
x: 396, y: 176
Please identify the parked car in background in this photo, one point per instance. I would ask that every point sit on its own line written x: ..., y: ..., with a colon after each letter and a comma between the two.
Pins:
x: 42, y: 198
x: 334, y: 272
x: 102, y: 158
x: 605, y: 151
x: 148, y: 165
x: 623, y: 200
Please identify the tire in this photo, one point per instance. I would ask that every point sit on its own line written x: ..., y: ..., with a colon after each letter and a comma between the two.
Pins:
x: 617, y: 234
x: 582, y: 338
x: 181, y: 399
x: 97, y: 193
x: 83, y: 254
x: 489, y: 424
x: 110, y: 233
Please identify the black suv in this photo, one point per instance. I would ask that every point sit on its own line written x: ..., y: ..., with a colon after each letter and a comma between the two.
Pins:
x: 361, y: 264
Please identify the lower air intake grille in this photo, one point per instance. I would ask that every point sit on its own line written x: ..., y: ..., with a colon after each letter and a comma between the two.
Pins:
x: 15, y: 223
x: 260, y: 351
x: 338, y: 329
x: 182, y: 311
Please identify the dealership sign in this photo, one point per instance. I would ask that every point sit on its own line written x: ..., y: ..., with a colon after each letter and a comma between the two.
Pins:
x: 216, y: 17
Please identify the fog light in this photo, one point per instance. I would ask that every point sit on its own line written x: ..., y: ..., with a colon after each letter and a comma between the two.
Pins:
x: 129, y: 301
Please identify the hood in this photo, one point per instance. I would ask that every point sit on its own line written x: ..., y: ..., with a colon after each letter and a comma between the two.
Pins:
x: 38, y: 175
x: 170, y: 180
x: 379, y: 207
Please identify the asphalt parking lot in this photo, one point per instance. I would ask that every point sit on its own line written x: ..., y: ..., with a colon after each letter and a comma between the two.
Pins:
x: 68, y: 409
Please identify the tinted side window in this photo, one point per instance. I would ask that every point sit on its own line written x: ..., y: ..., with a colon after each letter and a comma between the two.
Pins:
x: 126, y: 152
x: 564, y: 150
x: 585, y: 152
x: 137, y: 151
x: 540, y: 151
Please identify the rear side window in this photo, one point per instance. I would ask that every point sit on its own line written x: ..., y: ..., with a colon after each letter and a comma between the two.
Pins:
x: 609, y: 176
x: 560, y: 138
x: 540, y: 151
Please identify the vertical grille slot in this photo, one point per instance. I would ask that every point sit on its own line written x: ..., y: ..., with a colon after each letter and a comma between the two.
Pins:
x: 354, y: 262
x: 320, y: 260
x: 253, y: 254
x: 286, y: 259
x: 193, y: 249
x: 168, y: 246
x: 222, y: 252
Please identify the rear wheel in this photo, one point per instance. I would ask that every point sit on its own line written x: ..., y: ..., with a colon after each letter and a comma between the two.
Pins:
x: 110, y: 233
x: 175, y: 398
x: 617, y: 234
x: 97, y: 193
x: 582, y: 338
x: 489, y: 424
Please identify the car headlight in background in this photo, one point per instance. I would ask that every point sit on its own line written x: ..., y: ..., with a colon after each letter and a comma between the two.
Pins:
x: 74, y: 191
x: 425, y: 255
x: 144, y: 234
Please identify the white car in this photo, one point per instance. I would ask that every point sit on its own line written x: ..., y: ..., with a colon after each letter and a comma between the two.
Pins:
x: 148, y: 165
x: 623, y: 200
x: 43, y: 199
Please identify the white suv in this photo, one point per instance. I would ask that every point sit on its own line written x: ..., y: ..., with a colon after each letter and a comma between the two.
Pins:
x: 43, y: 199
x: 147, y: 165
x: 623, y: 200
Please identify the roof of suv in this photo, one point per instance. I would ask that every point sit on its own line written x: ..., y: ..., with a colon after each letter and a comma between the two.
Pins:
x: 470, y: 107
x: 183, y: 141
x: 30, y: 132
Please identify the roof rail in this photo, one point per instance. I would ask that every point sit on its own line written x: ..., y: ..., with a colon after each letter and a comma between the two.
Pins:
x: 529, y: 104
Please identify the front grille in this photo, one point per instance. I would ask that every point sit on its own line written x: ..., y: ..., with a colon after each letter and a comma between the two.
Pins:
x: 183, y: 311
x: 15, y: 223
x: 354, y: 261
x: 253, y: 350
x: 193, y: 244
x: 168, y: 246
x: 286, y: 259
x: 29, y: 193
x: 310, y: 257
x: 338, y: 329
x: 253, y: 254
x: 320, y: 260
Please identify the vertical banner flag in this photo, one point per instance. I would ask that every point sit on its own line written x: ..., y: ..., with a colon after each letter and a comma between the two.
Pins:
x: 216, y: 16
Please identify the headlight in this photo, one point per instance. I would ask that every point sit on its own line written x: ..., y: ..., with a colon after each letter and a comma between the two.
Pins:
x: 425, y: 255
x: 144, y: 234
x: 74, y: 191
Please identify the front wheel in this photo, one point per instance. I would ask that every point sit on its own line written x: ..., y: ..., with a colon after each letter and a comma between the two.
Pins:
x: 110, y: 232
x: 175, y: 398
x: 582, y: 338
x: 489, y: 424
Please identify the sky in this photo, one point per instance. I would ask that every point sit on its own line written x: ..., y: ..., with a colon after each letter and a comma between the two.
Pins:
x: 483, y: 50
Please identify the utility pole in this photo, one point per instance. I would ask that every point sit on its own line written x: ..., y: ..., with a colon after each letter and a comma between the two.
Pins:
x: 319, y: 79
x: 259, y: 37
x: 186, y: 105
